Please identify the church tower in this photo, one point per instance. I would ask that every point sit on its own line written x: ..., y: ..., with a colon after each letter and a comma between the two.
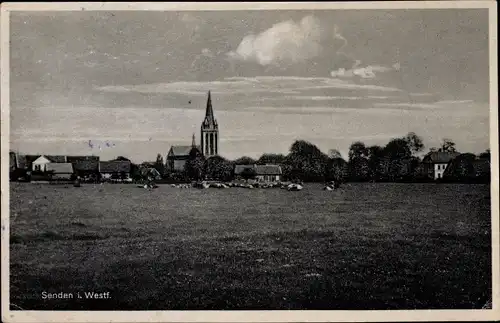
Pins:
x: 209, y: 132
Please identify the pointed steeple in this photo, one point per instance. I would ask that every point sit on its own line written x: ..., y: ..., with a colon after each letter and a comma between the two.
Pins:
x: 209, y: 114
x: 193, y: 143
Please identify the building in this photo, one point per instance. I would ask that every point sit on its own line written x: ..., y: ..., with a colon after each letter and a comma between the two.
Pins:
x: 209, y: 132
x: 263, y: 173
x: 59, y: 171
x: 209, y: 142
x: 86, y: 168
x: 40, y: 164
x: 115, y: 169
x: 436, y: 162
x: 178, y: 155
x: 76, y: 159
x: 149, y: 173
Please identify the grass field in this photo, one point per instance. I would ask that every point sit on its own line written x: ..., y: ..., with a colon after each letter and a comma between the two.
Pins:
x: 366, y: 246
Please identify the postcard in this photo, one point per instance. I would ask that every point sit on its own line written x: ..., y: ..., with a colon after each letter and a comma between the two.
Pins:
x: 249, y: 162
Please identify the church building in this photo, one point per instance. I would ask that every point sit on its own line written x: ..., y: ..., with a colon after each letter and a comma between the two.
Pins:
x: 209, y: 143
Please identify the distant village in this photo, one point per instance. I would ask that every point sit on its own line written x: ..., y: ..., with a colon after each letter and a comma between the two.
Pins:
x: 398, y: 161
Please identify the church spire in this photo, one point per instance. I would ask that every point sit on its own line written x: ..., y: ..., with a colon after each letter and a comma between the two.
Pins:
x: 209, y: 114
x: 193, y: 142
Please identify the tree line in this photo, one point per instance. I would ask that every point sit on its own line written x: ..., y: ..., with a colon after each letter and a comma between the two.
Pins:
x: 397, y: 161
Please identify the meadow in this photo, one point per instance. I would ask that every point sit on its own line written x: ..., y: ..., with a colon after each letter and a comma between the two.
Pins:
x: 365, y: 246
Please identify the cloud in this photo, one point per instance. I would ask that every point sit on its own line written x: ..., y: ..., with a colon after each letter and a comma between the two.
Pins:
x: 285, y: 42
x: 245, y: 85
x: 444, y: 104
x: 366, y: 72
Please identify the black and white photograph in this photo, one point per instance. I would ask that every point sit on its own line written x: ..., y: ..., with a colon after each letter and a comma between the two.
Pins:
x: 250, y: 158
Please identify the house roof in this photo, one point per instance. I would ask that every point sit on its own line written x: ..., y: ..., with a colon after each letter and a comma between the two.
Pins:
x: 259, y: 169
x: 149, y: 171
x: 115, y: 166
x: 440, y: 157
x: 74, y: 159
x: 60, y: 168
x: 181, y: 150
x: 86, y: 165
x: 268, y: 170
x: 238, y: 169
x: 56, y: 158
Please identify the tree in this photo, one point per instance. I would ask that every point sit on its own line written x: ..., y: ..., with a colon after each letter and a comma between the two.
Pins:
x: 376, y: 162
x: 461, y: 169
x: 485, y: 155
x: 121, y: 158
x: 398, y: 152
x: 306, y: 162
x: 448, y: 146
x: 334, y: 153
x: 245, y: 161
x: 276, y: 159
x: 218, y: 168
x: 194, y: 168
x: 336, y: 170
x: 414, y: 142
x: 159, y: 164
x: 358, y: 149
x: 358, y: 169
x: 248, y: 173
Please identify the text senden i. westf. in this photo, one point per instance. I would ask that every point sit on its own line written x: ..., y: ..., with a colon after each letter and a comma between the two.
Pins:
x: 78, y: 295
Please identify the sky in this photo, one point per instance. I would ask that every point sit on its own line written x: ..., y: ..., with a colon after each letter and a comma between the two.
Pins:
x: 133, y: 83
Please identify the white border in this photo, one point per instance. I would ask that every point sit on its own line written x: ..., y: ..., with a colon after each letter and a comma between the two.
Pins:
x: 247, y: 316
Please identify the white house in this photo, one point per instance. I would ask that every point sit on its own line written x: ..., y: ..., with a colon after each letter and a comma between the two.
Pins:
x: 40, y: 164
x: 436, y: 162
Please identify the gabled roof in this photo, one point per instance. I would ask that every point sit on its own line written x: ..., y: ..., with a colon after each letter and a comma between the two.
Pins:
x: 181, y: 151
x: 60, y: 168
x: 56, y: 158
x: 440, y: 157
x: 115, y: 166
x: 74, y: 159
x: 86, y: 165
x: 268, y: 170
x: 259, y: 169
x: 149, y: 171
x: 238, y: 169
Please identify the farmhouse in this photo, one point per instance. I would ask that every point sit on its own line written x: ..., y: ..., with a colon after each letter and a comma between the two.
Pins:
x: 86, y: 168
x: 150, y: 173
x: 40, y: 164
x: 76, y: 159
x: 59, y: 171
x: 436, y: 162
x: 263, y: 173
x: 116, y: 169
